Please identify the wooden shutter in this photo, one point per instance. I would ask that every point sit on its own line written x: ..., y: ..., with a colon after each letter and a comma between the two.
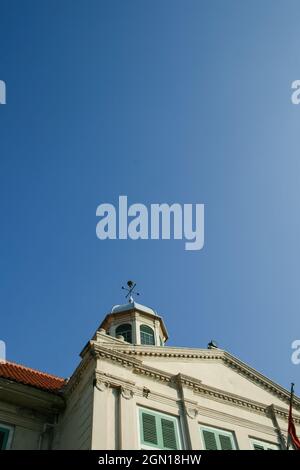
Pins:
x: 210, y: 440
x: 149, y: 428
x: 225, y: 441
x: 158, y: 430
x: 168, y: 434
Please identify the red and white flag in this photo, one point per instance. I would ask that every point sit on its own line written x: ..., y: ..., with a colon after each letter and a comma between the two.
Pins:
x: 292, y: 436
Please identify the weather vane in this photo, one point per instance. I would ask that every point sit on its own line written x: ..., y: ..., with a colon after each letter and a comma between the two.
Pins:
x: 130, y: 290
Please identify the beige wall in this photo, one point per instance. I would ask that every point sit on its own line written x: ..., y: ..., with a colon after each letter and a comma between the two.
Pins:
x: 105, y: 392
x: 74, y: 430
x: 120, y: 392
x: 27, y: 426
x: 215, y: 374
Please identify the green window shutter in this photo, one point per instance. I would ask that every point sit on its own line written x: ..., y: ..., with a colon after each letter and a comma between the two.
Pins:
x: 149, y: 430
x: 158, y: 430
x: 257, y: 447
x: 261, y: 445
x: 225, y: 442
x: 168, y: 434
x: 3, y: 438
x: 210, y: 440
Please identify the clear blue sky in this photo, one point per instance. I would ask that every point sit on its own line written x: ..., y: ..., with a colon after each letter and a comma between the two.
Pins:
x: 164, y: 101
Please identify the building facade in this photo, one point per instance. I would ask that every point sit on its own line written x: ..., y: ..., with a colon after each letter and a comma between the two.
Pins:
x: 130, y: 391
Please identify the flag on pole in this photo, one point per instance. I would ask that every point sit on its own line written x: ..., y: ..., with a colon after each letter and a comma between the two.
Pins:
x: 292, y: 436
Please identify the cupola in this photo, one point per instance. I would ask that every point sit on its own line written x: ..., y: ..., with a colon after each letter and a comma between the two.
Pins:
x: 136, y: 324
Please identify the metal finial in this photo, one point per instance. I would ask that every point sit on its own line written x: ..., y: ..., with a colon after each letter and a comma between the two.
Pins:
x: 130, y: 290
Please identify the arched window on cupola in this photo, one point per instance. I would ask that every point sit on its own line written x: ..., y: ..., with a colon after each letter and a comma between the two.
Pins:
x: 147, y: 335
x: 126, y: 331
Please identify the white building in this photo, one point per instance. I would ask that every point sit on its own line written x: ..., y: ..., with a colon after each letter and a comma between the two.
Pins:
x: 130, y: 391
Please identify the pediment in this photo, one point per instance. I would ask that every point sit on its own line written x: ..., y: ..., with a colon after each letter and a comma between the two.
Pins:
x: 214, y: 368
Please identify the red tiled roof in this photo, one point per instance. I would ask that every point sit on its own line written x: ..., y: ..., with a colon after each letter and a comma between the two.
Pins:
x: 32, y: 377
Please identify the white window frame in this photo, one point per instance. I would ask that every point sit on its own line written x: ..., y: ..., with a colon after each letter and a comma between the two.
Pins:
x: 265, y: 444
x: 225, y: 432
x: 152, y: 335
x: 176, y: 419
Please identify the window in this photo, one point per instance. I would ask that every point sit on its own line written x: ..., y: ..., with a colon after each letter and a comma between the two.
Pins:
x: 261, y: 445
x: 158, y: 430
x: 5, y: 436
x: 147, y: 335
x: 217, y: 439
x: 126, y: 331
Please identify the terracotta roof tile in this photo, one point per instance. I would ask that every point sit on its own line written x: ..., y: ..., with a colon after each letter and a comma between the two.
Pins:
x: 32, y: 377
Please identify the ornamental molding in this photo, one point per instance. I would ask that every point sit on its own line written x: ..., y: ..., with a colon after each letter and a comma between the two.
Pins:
x: 228, y: 418
x: 215, y: 355
x: 217, y: 394
x: 192, y: 412
x: 186, y: 380
x: 229, y: 398
x: 155, y: 374
x: 160, y: 398
x: 102, y: 352
x: 125, y: 359
x: 104, y: 381
x: 101, y: 385
x: 237, y: 401
x: 283, y: 413
x: 126, y: 393
x: 196, y: 385
x: 77, y: 376
x: 172, y: 353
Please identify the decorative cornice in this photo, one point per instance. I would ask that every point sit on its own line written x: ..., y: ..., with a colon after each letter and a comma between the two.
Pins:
x: 199, y: 388
x: 187, y: 380
x: 153, y: 373
x: 101, y: 352
x: 124, y: 358
x: 258, y: 378
x: 215, y: 355
x: 77, y: 376
x: 113, y: 381
x: 170, y: 352
x: 205, y: 412
x: 236, y: 400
